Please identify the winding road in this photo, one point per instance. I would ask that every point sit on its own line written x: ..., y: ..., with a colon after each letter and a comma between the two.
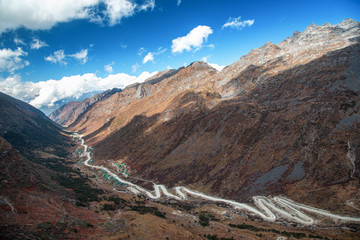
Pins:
x: 268, y: 208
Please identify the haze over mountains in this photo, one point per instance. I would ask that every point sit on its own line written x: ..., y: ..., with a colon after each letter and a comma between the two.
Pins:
x: 282, y: 120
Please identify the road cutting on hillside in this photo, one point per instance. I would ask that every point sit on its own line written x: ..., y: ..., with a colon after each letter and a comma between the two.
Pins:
x: 268, y: 208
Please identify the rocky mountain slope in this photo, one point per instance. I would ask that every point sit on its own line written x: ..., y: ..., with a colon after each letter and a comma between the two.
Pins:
x: 68, y: 113
x: 284, y: 119
x: 27, y: 128
x: 35, y: 175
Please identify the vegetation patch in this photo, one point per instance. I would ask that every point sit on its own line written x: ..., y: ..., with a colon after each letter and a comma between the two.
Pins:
x: 84, y: 193
x: 150, y: 210
x: 284, y: 233
x: 215, y: 237
x: 203, y: 220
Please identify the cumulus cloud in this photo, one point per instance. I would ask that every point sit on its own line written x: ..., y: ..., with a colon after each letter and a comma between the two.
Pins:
x: 81, y: 56
x: 116, y: 10
x: 148, y: 57
x: 237, y: 24
x: 57, y: 57
x: 48, y: 93
x: 108, y: 68
x: 192, y: 41
x: 44, y: 14
x: 11, y: 60
x: 178, y: 2
x: 37, y: 44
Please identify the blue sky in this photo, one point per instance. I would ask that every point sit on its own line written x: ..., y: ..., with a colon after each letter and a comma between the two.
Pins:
x: 54, y: 51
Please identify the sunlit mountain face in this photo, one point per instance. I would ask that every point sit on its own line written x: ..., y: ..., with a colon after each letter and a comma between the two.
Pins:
x: 175, y: 119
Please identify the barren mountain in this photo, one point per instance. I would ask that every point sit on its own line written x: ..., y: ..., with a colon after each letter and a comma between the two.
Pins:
x: 284, y: 119
x: 68, y: 113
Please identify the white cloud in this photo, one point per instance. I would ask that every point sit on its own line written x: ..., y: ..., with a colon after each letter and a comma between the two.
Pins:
x: 237, y: 24
x: 48, y: 93
x: 108, y: 68
x: 160, y: 51
x: 118, y: 9
x: 192, y: 41
x: 37, y: 44
x: 214, y: 65
x: 122, y: 45
x: 44, y: 14
x: 81, y: 56
x: 60, y: 56
x: 205, y: 59
x: 149, y: 4
x: 178, y: 2
x: 57, y: 57
x: 148, y: 57
x: 10, y: 60
x: 141, y: 51
x: 18, y: 41
x: 134, y: 67
x: 151, y: 55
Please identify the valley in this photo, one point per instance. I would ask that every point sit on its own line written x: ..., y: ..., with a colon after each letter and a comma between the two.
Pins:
x: 292, y: 210
x: 265, y: 148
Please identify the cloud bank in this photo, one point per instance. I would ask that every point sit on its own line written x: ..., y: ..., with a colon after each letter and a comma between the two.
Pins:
x: 192, y: 41
x: 46, y: 94
x: 44, y: 14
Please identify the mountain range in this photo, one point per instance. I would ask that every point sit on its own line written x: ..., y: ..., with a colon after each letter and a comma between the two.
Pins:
x: 283, y: 120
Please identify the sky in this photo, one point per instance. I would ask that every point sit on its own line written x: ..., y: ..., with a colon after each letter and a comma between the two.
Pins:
x: 52, y: 52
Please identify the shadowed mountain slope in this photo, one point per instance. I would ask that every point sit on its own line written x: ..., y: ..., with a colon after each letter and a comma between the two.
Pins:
x: 27, y: 128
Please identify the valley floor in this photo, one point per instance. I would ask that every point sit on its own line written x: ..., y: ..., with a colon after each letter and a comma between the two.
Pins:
x: 272, y: 216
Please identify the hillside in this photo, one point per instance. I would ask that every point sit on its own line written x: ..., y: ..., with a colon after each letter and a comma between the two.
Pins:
x: 68, y: 113
x: 27, y: 128
x: 35, y: 161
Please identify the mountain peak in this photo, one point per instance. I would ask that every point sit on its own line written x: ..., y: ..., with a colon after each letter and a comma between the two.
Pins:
x: 348, y: 23
x: 200, y: 65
